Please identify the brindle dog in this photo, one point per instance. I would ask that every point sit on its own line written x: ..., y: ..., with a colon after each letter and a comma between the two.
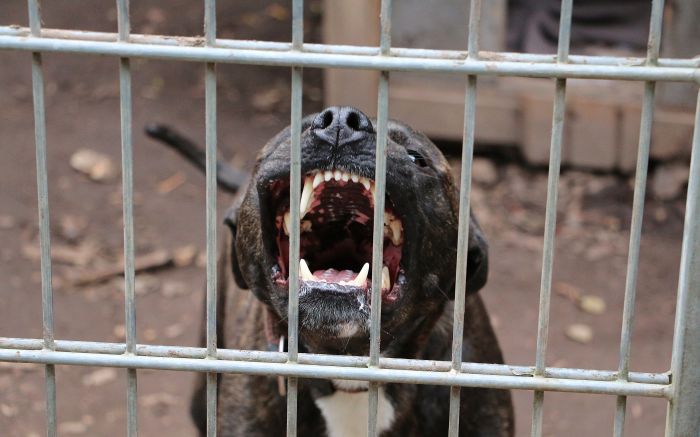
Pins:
x: 420, y: 239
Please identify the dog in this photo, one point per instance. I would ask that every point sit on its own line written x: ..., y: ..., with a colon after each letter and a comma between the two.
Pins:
x: 419, y: 257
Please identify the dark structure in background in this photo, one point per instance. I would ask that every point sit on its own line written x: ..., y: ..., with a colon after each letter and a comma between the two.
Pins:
x: 618, y: 24
x: 602, y: 128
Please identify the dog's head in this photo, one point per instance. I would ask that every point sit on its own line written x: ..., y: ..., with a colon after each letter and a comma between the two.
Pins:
x: 337, y: 203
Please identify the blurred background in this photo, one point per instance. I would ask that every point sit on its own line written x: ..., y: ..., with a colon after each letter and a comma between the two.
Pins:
x: 508, y: 197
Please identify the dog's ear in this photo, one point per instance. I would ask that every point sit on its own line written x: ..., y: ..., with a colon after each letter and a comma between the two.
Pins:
x: 477, y: 258
x: 231, y: 221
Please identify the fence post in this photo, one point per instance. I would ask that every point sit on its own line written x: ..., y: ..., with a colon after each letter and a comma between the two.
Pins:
x: 683, y: 418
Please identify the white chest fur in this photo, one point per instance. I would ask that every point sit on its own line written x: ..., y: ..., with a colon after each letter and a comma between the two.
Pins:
x: 346, y: 413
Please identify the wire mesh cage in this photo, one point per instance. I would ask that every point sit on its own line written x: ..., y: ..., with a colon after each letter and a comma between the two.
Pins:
x: 680, y: 386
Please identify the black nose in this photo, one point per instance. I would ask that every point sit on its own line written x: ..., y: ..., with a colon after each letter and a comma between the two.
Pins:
x: 341, y: 125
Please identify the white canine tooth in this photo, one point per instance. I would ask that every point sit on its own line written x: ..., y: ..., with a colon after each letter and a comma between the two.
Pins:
x: 386, y: 282
x: 306, y: 197
x: 287, y: 222
x: 364, y: 181
x: 327, y: 175
x: 396, y: 231
x: 318, y: 178
x: 361, y: 277
x: 304, y: 272
x: 336, y: 175
x: 355, y: 178
x: 345, y: 177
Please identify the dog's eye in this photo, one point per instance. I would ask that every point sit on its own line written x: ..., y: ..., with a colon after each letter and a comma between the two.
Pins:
x: 417, y: 158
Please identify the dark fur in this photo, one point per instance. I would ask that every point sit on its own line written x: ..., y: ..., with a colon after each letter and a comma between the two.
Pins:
x: 419, y: 325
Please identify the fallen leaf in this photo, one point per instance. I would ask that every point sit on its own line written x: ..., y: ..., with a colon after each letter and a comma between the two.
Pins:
x: 174, y: 330
x: 99, y: 377
x: 150, y: 334
x: 592, y: 304
x: 174, y: 288
x: 159, y: 403
x: 95, y: 165
x: 171, y: 183
x: 72, y: 227
x: 277, y: 11
x: 8, y: 410
x: 145, y: 284
x: 184, y: 256
x: 72, y: 428
x: 567, y: 290
x: 267, y: 100
x: 7, y: 221
x: 119, y: 331
x: 579, y: 333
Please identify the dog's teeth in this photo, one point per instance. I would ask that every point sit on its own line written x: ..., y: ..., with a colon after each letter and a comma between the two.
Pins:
x: 396, y: 231
x: 287, y: 223
x: 386, y: 282
x: 337, y: 175
x: 388, y: 218
x: 373, y: 190
x: 361, y: 277
x: 364, y: 181
x: 345, y: 177
x: 318, y: 178
x: 304, y: 272
x: 327, y: 175
x: 306, y: 197
x: 355, y: 178
x: 305, y: 226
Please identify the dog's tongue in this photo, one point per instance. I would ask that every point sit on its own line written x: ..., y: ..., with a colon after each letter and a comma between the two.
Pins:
x: 333, y: 275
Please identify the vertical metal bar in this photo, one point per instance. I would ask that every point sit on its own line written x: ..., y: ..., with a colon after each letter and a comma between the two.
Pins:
x: 463, y: 227
x: 647, y: 119
x: 44, y: 219
x: 551, y: 213
x: 378, y: 228
x: 295, y: 195
x: 211, y: 140
x: 128, y: 216
x: 683, y: 418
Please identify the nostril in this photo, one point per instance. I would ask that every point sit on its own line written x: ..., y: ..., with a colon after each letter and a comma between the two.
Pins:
x: 327, y: 119
x: 353, y: 121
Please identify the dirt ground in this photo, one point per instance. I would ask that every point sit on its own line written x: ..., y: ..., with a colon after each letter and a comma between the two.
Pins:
x: 82, y: 102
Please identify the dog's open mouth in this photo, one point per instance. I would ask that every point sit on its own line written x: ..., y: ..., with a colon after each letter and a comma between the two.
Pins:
x: 336, y: 210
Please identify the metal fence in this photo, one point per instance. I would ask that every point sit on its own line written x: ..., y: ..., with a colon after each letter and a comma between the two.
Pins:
x: 680, y: 386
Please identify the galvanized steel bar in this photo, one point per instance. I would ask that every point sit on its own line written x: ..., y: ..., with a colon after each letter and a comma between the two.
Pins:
x: 295, y: 199
x: 683, y: 418
x: 125, y: 110
x: 44, y: 218
x: 378, y: 228
x: 333, y: 360
x: 464, y: 216
x: 395, y: 52
x: 211, y: 216
x: 551, y: 214
x: 291, y: 58
x: 373, y: 374
x: 647, y: 120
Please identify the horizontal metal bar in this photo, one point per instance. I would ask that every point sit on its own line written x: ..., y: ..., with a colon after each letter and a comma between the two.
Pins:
x: 292, y: 58
x: 332, y: 360
x: 396, y: 52
x: 372, y: 374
